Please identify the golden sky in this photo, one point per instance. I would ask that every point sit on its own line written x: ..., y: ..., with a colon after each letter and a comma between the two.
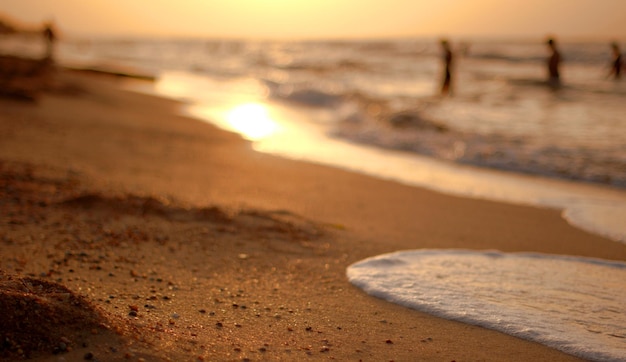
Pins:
x: 327, y: 18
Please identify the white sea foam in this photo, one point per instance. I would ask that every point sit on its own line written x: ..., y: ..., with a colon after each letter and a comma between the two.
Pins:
x: 576, y: 305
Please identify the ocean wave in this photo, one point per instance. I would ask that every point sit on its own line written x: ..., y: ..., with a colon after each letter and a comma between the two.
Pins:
x: 302, y: 97
x: 559, y: 301
x: 412, y: 131
x: 508, y: 58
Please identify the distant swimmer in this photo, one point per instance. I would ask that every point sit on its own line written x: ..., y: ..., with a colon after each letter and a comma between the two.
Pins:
x: 554, y: 62
x: 447, y: 65
x: 616, y: 64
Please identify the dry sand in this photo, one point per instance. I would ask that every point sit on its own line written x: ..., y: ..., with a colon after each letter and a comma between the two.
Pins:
x: 129, y: 232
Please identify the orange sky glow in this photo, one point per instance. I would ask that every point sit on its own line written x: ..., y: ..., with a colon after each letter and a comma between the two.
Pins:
x: 326, y: 18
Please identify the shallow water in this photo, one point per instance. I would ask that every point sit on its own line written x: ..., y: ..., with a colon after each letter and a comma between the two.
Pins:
x: 572, y: 304
x: 384, y: 94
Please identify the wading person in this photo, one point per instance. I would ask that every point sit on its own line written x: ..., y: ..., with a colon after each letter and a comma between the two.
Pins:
x: 50, y: 38
x: 447, y: 67
x: 554, y: 63
x: 616, y: 64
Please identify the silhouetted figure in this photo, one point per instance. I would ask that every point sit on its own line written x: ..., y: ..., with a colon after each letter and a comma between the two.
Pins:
x: 50, y: 37
x: 554, y: 62
x: 447, y: 65
x: 616, y: 65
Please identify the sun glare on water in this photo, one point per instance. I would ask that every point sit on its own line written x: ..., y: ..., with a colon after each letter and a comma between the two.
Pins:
x: 252, y: 120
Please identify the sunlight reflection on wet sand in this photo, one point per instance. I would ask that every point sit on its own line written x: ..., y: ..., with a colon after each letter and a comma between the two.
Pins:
x: 278, y: 129
x: 583, y: 205
x: 252, y: 120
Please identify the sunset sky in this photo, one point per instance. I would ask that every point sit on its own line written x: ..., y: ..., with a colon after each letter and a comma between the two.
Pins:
x: 326, y: 18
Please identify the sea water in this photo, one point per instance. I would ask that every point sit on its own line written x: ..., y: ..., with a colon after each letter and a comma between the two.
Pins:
x: 503, y: 134
x: 573, y: 304
x: 383, y: 94
x: 373, y: 107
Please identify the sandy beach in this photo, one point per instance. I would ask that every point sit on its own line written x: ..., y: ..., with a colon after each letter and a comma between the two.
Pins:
x: 130, y: 232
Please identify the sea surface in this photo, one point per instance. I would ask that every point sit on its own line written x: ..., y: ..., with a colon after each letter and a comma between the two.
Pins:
x: 384, y: 94
x: 504, y: 134
x: 374, y: 107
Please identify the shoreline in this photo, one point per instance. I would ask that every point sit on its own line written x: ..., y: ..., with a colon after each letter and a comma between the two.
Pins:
x: 134, y: 191
x: 593, y: 207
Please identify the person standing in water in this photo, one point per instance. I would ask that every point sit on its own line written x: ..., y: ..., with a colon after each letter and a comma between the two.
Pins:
x: 554, y: 62
x: 447, y: 65
x: 50, y: 38
x: 616, y: 65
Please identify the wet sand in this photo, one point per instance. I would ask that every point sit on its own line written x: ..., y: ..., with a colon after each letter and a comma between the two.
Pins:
x: 129, y: 232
